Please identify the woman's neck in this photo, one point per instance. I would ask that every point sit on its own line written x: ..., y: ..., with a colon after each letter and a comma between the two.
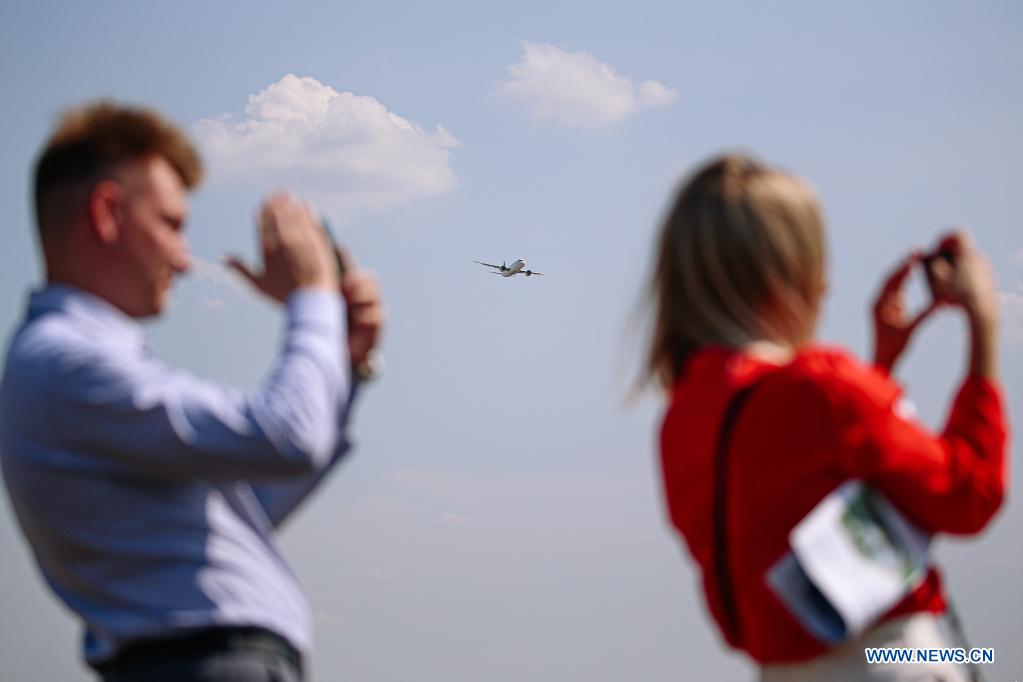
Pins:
x: 770, y: 351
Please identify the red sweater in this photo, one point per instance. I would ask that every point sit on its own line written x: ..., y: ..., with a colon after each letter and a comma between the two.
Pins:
x: 817, y: 422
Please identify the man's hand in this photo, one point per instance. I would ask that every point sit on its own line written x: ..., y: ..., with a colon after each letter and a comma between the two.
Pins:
x: 365, y: 308
x: 296, y: 252
x: 892, y: 327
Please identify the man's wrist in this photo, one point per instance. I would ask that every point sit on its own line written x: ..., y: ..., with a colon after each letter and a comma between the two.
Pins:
x: 319, y: 307
x: 369, y: 368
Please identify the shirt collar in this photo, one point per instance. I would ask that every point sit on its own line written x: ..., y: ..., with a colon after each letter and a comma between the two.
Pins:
x: 710, y: 364
x: 87, y: 308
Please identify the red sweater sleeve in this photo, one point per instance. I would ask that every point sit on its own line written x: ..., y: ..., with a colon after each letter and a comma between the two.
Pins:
x: 952, y: 482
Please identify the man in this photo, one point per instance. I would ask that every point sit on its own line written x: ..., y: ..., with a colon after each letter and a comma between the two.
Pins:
x: 150, y: 497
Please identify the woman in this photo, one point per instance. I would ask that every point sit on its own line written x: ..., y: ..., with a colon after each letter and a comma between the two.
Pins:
x: 738, y: 282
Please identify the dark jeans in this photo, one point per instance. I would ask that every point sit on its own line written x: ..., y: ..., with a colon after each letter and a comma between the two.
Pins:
x: 208, y: 656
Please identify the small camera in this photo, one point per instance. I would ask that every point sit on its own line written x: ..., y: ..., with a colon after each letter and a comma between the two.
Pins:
x: 942, y: 253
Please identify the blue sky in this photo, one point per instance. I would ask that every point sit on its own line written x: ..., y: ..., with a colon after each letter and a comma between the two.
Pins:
x: 501, y: 518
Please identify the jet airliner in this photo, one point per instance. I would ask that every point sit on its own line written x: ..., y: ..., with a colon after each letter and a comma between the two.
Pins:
x: 506, y: 270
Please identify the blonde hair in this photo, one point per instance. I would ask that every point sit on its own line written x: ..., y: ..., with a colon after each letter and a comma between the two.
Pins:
x: 740, y: 258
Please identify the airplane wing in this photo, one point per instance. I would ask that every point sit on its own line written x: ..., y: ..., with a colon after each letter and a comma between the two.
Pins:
x: 496, y: 267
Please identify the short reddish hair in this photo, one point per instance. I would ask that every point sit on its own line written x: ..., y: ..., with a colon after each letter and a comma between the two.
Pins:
x: 92, y: 140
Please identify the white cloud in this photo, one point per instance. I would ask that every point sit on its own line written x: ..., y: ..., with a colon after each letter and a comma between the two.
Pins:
x: 220, y: 285
x: 342, y: 151
x: 1011, y: 304
x: 577, y: 89
x: 214, y: 303
x: 451, y: 519
x: 1012, y: 314
x: 376, y: 573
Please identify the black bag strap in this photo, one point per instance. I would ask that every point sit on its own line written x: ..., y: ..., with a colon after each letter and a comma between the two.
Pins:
x: 722, y: 566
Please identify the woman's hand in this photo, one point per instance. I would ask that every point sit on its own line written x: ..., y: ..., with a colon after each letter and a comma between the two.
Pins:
x: 892, y: 327
x: 967, y: 281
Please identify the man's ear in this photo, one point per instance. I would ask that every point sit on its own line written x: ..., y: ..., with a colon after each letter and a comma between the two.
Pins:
x: 106, y: 210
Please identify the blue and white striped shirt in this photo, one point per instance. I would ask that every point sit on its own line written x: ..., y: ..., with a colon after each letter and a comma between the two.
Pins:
x: 150, y: 497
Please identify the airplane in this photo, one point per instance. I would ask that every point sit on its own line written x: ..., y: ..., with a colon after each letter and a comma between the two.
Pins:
x: 506, y: 270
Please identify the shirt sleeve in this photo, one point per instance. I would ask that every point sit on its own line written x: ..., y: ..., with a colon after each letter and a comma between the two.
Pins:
x: 279, y: 498
x: 131, y: 411
x: 953, y: 481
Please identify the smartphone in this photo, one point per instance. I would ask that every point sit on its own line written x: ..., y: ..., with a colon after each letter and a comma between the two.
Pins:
x: 333, y: 244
